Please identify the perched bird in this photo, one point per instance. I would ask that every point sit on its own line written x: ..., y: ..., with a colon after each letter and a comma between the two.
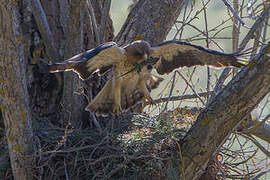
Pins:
x: 131, y: 80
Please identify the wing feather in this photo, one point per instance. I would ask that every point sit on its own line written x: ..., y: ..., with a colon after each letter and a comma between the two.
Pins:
x: 99, y: 59
x: 175, y: 54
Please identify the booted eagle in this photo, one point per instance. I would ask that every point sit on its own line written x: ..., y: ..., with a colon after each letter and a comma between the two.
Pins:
x: 128, y: 84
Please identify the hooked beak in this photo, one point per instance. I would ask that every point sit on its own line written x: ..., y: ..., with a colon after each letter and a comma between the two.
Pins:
x: 145, y: 56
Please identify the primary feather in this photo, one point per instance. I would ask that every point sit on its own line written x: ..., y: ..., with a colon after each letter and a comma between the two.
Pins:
x: 175, y: 54
x: 84, y: 64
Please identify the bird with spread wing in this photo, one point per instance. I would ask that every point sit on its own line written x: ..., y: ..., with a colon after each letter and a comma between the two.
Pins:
x: 131, y: 80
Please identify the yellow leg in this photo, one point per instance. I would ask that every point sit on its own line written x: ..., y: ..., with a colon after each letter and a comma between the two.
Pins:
x: 146, y: 93
x: 117, y: 96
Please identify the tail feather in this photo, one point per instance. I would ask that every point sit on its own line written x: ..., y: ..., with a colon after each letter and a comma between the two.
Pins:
x: 130, y: 96
x: 103, y: 102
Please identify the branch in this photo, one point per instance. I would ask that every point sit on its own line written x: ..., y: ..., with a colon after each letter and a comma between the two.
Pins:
x: 254, y: 28
x: 104, y: 15
x: 225, y: 112
x: 93, y: 18
x: 45, y: 31
x: 260, y: 174
x: 233, y: 11
x: 259, y: 129
x: 150, y: 20
x: 179, y: 98
x: 186, y: 81
x: 243, y: 44
x: 252, y: 139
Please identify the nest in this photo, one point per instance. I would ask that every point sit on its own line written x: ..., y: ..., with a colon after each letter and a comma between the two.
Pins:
x: 138, y: 147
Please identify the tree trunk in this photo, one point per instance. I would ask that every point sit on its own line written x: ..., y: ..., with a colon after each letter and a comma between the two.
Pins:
x: 73, y: 103
x: 79, y: 29
x: 150, y: 20
x: 15, y: 106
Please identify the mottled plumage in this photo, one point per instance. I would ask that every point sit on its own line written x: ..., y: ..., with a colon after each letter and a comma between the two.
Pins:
x: 127, y: 86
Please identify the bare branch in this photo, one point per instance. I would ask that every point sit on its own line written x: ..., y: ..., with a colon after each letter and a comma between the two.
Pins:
x: 260, y: 174
x: 265, y: 151
x: 104, y: 17
x: 258, y: 129
x: 254, y: 28
x: 45, y: 31
x: 190, y: 87
x: 233, y: 11
x: 178, y: 98
x: 93, y: 18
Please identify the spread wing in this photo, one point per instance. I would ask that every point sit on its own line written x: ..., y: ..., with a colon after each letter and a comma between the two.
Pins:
x: 98, y: 59
x: 175, y: 54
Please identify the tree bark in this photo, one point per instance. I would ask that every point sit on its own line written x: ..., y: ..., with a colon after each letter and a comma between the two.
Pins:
x: 256, y: 128
x: 73, y: 103
x: 15, y: 106
x: 224, y: 113
x: 150, y: 20
x: 78, y: 29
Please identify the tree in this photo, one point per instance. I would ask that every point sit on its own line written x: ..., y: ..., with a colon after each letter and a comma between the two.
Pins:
x: 36, y: 31
x: 15, y: 106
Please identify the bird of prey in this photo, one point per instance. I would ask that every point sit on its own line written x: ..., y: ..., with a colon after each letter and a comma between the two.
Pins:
x: 129, y: 85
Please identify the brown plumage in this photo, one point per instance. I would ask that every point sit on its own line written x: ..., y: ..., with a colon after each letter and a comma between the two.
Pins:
x: 127, y: 85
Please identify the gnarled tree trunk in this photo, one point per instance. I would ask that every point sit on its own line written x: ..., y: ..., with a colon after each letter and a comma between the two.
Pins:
x: 15, y: 98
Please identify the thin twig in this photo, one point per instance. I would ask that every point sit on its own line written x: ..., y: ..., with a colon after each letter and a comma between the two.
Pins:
x: 235, y: 31
x: 207, y: 45
x: 45, y: 30
x: 66, y: 171
x: 261, y: 174
x: 170, y: 93
x: 254, y: 141
x: 182, y: 97
x: 253, y: 29
x: 190, y: 87
x: 234, y: 12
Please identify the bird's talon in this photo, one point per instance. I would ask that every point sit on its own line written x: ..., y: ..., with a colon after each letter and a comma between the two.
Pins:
x: 150, y: 100
x: 117, y: 109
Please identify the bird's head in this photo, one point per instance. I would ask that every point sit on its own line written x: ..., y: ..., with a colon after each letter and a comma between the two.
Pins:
x: 140, y: 49
x: 144, y: 48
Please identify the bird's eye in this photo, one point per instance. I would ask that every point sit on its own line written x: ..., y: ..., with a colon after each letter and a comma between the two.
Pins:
x: 149, y: 67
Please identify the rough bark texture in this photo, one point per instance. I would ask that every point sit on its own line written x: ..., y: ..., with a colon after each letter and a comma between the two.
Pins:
x: 73, y: 103
x: 224, y: 113
x: 150, y: 20
x: 15, y: 106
